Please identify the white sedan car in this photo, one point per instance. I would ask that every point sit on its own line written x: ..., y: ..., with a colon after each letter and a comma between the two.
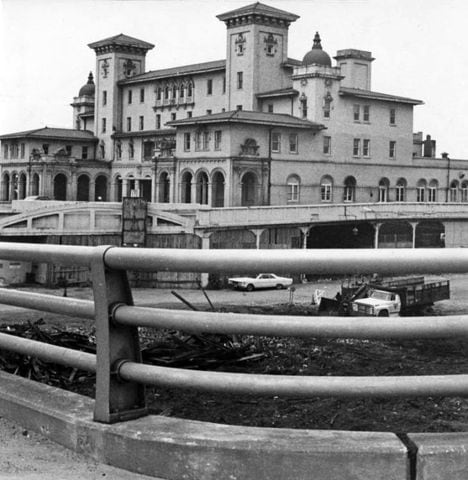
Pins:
x: 263, y: 280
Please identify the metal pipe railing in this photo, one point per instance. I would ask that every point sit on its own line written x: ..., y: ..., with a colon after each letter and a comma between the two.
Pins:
x: 49, y: 353
x: 330, y: 261
x: 48, y: 303
x: 294, y: 385
x: 455, y: 326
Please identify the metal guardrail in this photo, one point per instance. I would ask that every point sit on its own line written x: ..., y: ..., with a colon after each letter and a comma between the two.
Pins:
x: 120, y: 375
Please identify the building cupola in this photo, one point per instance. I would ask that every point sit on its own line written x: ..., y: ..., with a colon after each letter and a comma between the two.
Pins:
x: 88, y: 89
x: 317, y: 56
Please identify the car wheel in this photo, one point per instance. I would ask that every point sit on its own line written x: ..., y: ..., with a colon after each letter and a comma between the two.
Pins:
x: 249, y: 287
x: 383, y: 313
x: 279, y: 286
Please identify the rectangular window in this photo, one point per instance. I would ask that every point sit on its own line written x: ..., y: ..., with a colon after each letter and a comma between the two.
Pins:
x: 327, y: 145
x: 130, y: 96
x: 326, y: 192
x: 187, y: 141
x: 173, y: 116
x: 366, y: 113
x: 158, y: 121
x: 5, y: 150
x: 141, y: 122
x: 400, y: 193
x: 159, y: 93
x: 217, y: 139
x: 239, y: 108
x: 22, y: 150
x: 293, y: 192
x: 276, y: 142
x: 420, y: 194
x: 209, y: 86
x: 103, y: 125
x: 84, y: 153
x: 142, y: 95
x: 209, y: 112
x: 224, y: 84
x: 270, y: 108
x: 129, y: 124
x: 432, y: 194
x: 392, y: 116
x: 148, y: 150
x: 205, y: 140
x: 189, y: 114
x: 45, y: 148
x: 356, y: 147
x: 131, y: 150
x: 293, y: 143
x: 356, y: 113
x: 68, y: 149
x: 392, y: 149
x: 366, y: 147
x: 198, y: 136
x: 240, y: 80
x: 104, y: 97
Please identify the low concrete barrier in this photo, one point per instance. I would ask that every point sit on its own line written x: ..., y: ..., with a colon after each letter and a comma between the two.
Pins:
x: 178, y: 449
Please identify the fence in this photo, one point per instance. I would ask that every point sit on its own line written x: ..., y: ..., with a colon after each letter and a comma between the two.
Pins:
x: 120, y: 375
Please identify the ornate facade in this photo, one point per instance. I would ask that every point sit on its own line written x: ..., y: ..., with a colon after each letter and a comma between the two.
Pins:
x: 255, y: 128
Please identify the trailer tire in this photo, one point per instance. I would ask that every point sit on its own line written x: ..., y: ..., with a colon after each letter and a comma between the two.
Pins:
x: 383, y: 313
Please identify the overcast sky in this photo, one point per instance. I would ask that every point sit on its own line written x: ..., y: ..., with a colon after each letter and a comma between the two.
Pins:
x: 419, y: 47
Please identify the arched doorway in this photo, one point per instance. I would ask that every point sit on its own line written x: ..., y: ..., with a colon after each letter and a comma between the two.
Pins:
x: 249, y: 184
x: 22, y: 186
x: 186, y: 188
x: 100, y: 188
x: 6, y: 187
x: 164, y: 188
x: 82, y: 191
x: 202, y: 188
x: 145, y: 188
x: 218, y: 190
x: 35, y: 184
x: 60, y: 187
x: 430, y: 234
x: 396, y: 235
x: 118, y: 188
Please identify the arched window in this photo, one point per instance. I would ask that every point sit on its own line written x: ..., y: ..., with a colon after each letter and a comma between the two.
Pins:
x: 35, y: 184
x: 100, y: 192
x: 349, y: 194
x: 22, y: 186
x: 421, y: 190
x: 293, y: 185
x: 202, y: 188
x: 6, y: 187
x: 453, y: 191
x: 400, y: 190
x: 326, y: 189
x: 432, y: 191
x: 384, y: 185
x: 464, y: 191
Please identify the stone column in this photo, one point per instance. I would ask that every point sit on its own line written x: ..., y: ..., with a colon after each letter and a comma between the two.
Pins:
x: 193, y: 191
x: 376, y: 234
x: 413, y: 227
x: 210, y: 194
x: 92, y: 191
x: 258, y: 233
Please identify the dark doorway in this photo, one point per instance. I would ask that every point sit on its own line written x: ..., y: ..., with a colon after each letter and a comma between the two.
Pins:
x: 60, y: 187
x: 350, y: 235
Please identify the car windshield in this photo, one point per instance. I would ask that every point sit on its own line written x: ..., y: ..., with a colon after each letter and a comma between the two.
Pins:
x: 379, y: 295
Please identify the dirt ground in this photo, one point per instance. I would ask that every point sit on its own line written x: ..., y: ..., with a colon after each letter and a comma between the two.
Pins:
x: 287, y: 356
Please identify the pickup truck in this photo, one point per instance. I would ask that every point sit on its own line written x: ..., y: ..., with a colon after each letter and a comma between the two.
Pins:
x: 378, y: 303
x: 262, y: 280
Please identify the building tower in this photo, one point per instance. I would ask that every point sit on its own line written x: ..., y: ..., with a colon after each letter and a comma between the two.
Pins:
x: 117, y: 58
x: 83, y: 106
x: 257, y: 46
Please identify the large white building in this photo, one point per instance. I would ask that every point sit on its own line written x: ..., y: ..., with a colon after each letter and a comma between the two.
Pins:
x: 255, y: 128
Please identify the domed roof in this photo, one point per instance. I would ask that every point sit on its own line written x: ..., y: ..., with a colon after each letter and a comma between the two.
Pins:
x: 317, y: 56
x: 89, y: 88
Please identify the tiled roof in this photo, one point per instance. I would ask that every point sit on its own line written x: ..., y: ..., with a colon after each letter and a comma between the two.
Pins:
x: 282, y: 92
x: 259, y: 9
x: 177, y: 71
x: 246, y: 116
x: 357, y: 92
x: 53, y: 133
x: 122, y: 40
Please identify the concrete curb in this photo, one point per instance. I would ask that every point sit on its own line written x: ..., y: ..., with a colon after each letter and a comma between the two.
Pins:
x: 178, y: 449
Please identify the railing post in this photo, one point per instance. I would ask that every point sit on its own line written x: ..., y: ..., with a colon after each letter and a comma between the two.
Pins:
x: 116, y: 400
